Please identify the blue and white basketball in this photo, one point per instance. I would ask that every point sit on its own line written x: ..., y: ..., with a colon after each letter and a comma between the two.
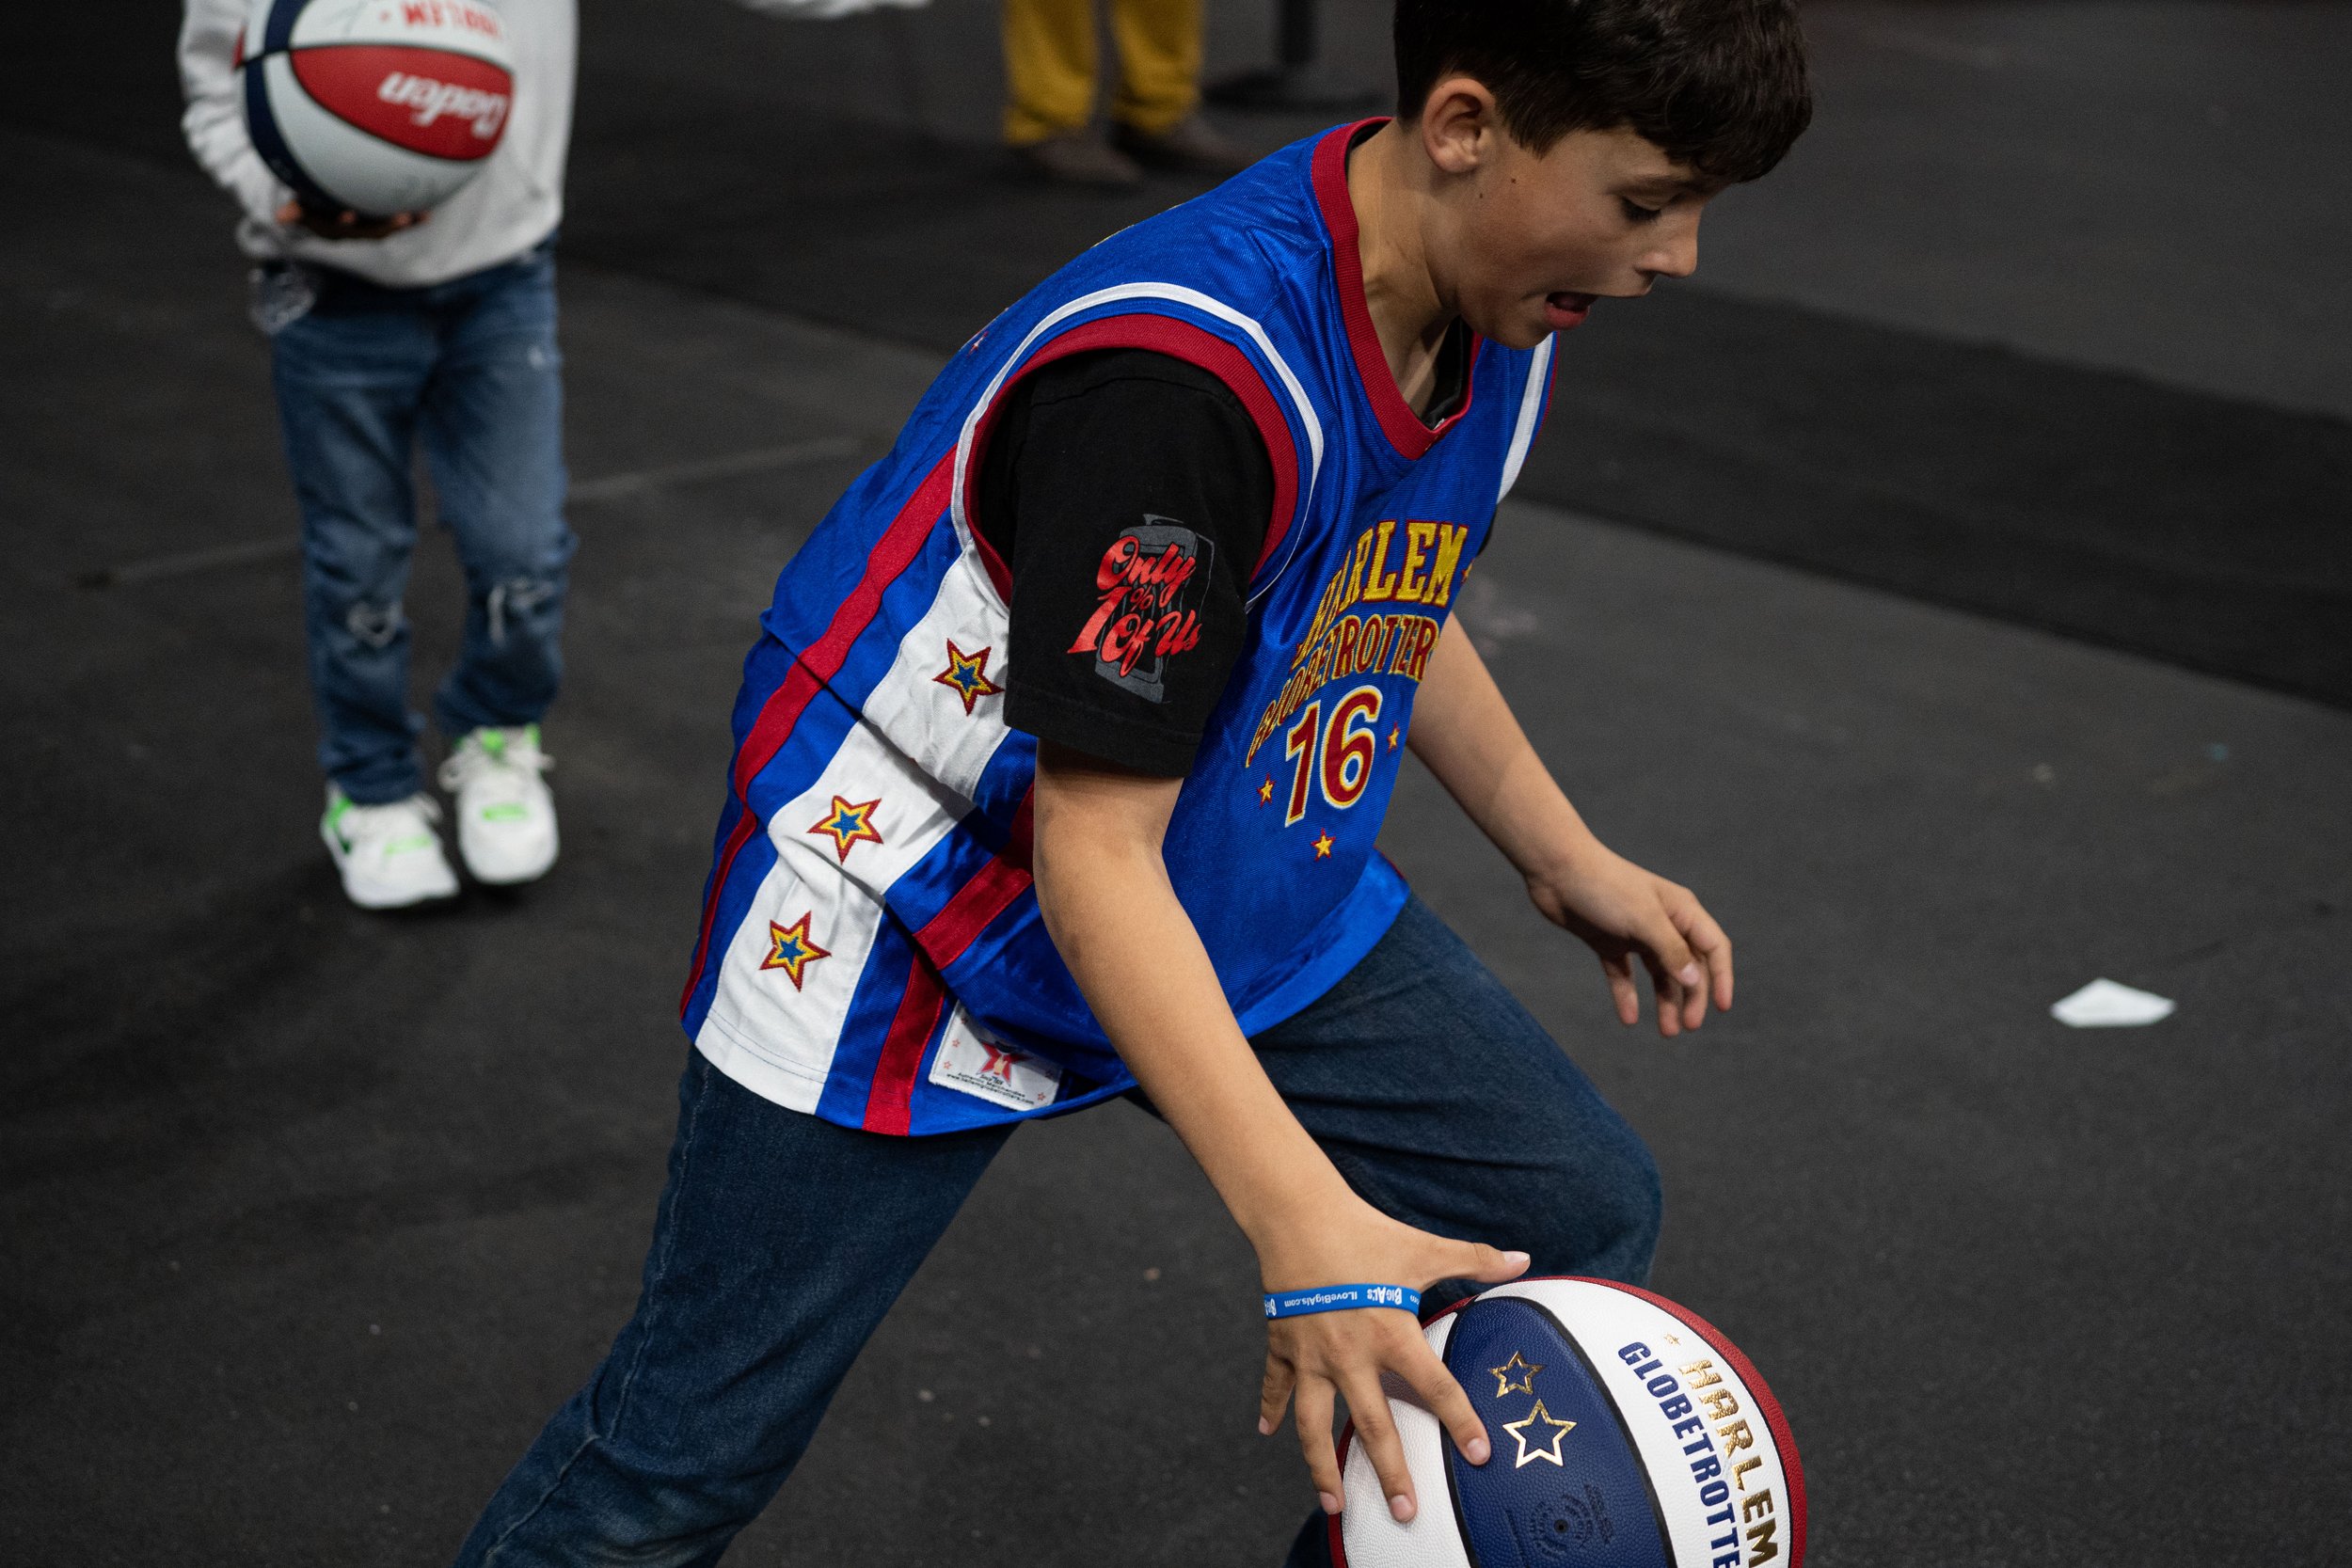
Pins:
x: 380, y: 106
x: 1627, y: 1432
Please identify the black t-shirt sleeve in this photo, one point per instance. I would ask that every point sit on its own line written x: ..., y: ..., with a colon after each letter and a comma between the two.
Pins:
x: 1129, y: 493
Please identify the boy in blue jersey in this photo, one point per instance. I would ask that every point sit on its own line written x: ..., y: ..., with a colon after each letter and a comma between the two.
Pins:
x: 1061, y: 758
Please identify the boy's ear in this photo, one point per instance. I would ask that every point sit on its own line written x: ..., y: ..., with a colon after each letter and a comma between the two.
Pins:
x: 1459, y: 124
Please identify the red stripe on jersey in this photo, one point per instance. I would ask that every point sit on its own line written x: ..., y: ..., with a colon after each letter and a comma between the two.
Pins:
x: 989, y: 894
x: 896, y: 550
x: 1398, y: 421
x: 1178, y: 340
x: 890, y: 1096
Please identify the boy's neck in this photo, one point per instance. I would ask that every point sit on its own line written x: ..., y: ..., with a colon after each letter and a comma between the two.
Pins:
x: 1411, y: 307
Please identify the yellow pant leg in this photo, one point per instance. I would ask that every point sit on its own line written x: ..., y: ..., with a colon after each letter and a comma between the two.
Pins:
x: 1159, y: 62
x: 1049, y: 68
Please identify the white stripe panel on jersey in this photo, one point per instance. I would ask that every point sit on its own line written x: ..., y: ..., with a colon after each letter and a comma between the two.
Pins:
x: 1603, y: 1320
x: 773, y: 1038
x: 920, y: 756
x: 1434, y: 1539
x: 927, y: 720
x: 1180, y: 294
x: 1530, y: 410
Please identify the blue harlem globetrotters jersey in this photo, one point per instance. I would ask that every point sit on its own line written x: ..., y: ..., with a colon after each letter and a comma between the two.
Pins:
x: 872, y: 949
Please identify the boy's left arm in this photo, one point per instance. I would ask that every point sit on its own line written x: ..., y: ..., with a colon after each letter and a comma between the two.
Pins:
x: 1465, y: 733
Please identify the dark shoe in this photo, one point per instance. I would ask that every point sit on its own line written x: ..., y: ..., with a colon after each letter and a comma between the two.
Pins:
x: 1081, y: 158
x: 1191, y: 146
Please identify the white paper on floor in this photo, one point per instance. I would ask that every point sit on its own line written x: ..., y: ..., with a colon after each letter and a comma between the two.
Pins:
x: 2105, y: 1005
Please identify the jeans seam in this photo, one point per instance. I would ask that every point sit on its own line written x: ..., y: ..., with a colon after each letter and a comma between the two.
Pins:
x: 628, y: 1380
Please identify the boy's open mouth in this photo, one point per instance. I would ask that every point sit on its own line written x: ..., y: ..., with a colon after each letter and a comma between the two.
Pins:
x: 1564, y: 309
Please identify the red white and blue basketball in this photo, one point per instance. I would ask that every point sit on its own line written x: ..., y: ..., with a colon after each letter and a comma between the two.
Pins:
x: 1627, y: 1432
x: 379, y: 106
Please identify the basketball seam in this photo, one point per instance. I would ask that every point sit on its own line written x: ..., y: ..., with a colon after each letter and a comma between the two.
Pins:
x: 293, y: 49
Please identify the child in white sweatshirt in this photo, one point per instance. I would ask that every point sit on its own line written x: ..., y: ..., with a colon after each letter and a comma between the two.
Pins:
x: 436, y: 328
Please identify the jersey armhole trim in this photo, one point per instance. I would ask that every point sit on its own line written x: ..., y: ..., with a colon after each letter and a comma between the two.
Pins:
x: 1194, y: 347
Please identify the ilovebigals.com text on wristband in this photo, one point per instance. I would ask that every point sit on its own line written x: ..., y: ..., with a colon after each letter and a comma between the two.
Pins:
x: 1339, y: 1298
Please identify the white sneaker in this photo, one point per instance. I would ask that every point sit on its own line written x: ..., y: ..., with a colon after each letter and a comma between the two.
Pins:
x: 389, y: 855
x: 505, y: 816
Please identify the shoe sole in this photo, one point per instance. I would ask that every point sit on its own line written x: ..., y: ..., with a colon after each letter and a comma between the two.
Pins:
x: 507, y: 879
x: 376, y: 898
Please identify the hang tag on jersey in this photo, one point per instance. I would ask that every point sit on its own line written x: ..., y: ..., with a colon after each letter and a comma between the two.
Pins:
x: 972, y: 1061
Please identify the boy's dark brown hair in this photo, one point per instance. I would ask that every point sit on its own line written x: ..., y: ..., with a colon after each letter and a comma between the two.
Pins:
x: 1719, y: 86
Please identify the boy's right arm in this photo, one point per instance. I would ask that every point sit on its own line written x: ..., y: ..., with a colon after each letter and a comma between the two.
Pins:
x: 1105, y: 894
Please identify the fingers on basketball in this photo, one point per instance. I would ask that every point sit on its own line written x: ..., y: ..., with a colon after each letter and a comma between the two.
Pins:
x: 1375, y: 1429
x: 1315, y: 1404
x: 1428, y: 1378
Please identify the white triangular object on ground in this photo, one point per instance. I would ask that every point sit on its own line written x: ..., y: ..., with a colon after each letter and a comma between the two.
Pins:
x: 2105, y: 1005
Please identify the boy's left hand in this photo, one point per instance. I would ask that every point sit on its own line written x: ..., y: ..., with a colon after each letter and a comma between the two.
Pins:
x: 1622, y: 912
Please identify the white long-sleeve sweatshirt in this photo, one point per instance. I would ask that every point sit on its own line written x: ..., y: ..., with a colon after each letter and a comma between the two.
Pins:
x: 512, y: 205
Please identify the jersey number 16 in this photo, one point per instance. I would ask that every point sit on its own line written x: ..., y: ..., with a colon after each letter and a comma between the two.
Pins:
x: 1341, y: 758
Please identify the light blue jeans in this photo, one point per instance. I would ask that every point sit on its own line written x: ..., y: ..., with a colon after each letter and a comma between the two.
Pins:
x: 469, y: 369
x: 781, y: 1240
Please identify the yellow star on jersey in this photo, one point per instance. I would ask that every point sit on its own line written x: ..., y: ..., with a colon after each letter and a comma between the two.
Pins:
x: 1524, y: 1382
x: 1266, y: 792
x: 966, y: 675
x: 1395, y: 732
x: 1543, y: 1420
x: 848, y: 824
x: 1323, y: 847
x: 793, y: 951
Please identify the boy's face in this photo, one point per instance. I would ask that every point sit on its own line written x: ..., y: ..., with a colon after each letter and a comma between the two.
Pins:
x: 1538, y: 238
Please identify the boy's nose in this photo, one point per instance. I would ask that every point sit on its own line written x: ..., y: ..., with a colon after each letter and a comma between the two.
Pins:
x: 1675, y: 253
x: 1678, y: 259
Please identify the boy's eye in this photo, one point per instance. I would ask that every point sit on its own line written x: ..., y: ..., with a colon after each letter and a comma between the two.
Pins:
x: 1636, y: 213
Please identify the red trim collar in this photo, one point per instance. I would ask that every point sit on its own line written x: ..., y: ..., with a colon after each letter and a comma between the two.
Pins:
x: 1398, y: 421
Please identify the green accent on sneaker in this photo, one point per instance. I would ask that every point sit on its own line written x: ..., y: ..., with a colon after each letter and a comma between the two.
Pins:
x: 337, y: 807
x: 492, y: 741
x: 402, y: 846
x: 512, y: 811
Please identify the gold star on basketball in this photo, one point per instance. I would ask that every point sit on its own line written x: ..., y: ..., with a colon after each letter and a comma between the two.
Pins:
x: 1266, y: 792
x: 1543, y: 1420
x: 1323, y: 847
x: 966, y: 675
x: 793, y: 951
x: 1524, y: 1382
x: 847, y: 824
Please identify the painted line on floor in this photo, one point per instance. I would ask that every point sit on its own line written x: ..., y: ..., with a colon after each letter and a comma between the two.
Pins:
x: 764, y: 460
x: 589, y: 492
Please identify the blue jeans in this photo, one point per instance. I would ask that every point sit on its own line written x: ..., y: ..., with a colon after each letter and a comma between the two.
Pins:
x: 469, y: 370
x: 781, y: 1240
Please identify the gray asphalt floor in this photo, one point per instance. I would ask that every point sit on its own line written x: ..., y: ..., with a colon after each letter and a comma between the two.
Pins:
x: 307, y: 1218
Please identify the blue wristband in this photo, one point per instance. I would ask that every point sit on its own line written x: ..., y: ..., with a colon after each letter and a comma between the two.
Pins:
x: 1338, y: 1298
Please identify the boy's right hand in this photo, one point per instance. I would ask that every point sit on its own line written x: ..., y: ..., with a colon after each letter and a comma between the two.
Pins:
x: 344, y: 225
x: 1316, y: 1360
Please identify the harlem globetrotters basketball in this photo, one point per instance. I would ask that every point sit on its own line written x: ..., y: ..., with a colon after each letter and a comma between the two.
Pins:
x: 1627, y: 1432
